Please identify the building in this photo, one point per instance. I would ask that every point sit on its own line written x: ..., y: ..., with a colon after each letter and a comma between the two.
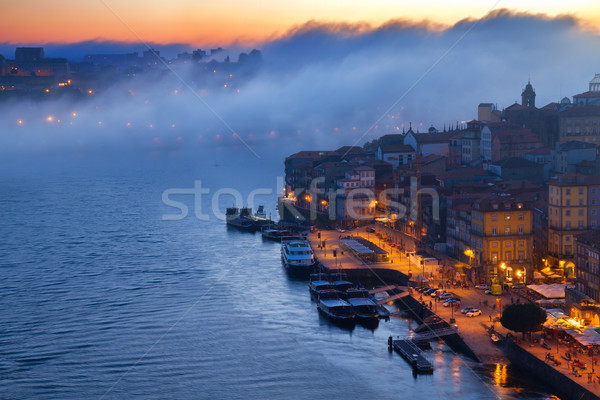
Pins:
x: 581, y: 123
x: 395, y: 154
x: 471, y: 142
x: 572, y: 199
x: 514, y: 168
x: 543, y: 122
x: 488, y: 112
x: 581, y: 120
x: 542, y: 156
x: 455, y: 150
x: 488, y: 131
x: 509, y: 143
x: 502, y: 235
x: 356, y: 201
x: 429, y: 143
x: 568, y: 154
x: 592, y: 96
x: 587, y: 262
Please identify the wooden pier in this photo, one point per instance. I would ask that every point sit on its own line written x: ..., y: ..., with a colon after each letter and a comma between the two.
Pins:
x: 411, y: 353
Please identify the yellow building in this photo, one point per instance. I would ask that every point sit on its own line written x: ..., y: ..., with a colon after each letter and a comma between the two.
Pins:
x: 567, y: 217
x: 502, y: 235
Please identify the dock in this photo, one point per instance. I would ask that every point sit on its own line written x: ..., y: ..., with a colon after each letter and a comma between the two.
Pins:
x: 413, y: 354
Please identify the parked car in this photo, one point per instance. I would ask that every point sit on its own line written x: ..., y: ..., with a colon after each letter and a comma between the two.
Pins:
x: 446, y: 295
x: 370, y: 230
x: 474, y: 312
x: 467, y: 309
x: 451, y: 302
x: 482, y: 287
x: 429, y: 291
x: 438, y: 292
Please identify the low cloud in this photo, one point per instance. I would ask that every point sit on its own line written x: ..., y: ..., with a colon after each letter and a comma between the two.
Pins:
x: 320, y: 86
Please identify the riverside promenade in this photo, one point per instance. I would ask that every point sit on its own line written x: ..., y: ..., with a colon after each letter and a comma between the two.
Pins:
x: 473, y: 330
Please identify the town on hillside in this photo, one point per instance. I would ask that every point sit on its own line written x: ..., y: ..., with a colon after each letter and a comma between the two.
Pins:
x: 514, y: 194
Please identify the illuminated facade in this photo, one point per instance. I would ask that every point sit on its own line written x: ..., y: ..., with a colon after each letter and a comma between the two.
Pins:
x: 502, y: 235
x: 572, y: 200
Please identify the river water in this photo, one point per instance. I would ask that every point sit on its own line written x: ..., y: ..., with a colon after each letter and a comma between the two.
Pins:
x: 103, y: 298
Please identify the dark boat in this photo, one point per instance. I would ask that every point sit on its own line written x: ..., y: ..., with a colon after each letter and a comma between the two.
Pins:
x: 337, y: 310
x: 317, y: 288
x: 342, y: 286
x: 240, y: 218
x: 365, y: 310
x: 278, y: 235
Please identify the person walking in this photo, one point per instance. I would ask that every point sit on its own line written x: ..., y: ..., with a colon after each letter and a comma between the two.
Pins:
x: 490, y: 317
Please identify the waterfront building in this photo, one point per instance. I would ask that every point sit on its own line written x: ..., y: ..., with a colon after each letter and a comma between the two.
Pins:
x: 357, y: 199
x: 583, y: 300
x: 502, y: 233
x: 572, y: 199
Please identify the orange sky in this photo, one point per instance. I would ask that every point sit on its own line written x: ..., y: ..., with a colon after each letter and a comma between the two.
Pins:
x: 203, y: 22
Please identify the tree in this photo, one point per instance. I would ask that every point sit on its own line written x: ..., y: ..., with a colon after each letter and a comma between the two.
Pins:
x: 526, y: 317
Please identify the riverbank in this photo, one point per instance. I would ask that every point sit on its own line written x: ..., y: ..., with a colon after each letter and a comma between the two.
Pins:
x: 473, y: 331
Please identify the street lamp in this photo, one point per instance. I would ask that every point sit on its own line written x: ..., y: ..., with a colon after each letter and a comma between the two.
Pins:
x: 519, y: 273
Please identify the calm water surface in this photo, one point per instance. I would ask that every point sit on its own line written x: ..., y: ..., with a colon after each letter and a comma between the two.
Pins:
x: 101, y: 298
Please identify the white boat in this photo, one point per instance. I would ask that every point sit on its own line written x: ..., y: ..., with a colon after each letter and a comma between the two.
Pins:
x: 298, y: 257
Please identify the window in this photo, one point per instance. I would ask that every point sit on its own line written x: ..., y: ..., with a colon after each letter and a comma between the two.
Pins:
x: 567, y: 213
x: 521, y: 243
x: 521, y: 255
x: 521, y: 229
x: 494, y: 244
x: 568, y: 192
x: 580, y: 212
x: 568, y: 225
x: 568, y: 202
x: 508, y: 256
x: 507, y: 244
x: 580, y: 191
x: 494, y: 231
x: 580, y: 202
x: 521, y: 216
x: 495, y: 258
x: 507, y: 230
x: 580, y: 226
x: 494, y: 217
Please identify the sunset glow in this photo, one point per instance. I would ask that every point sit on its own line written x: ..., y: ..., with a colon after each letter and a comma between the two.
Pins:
x: 186, y: 21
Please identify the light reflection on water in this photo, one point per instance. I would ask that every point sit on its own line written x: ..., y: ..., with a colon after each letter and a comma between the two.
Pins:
x: 100, y: 296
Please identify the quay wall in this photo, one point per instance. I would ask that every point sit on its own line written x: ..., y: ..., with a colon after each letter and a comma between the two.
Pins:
x: 417, y: 310
x: 530, y: 364
x: 420, y: 312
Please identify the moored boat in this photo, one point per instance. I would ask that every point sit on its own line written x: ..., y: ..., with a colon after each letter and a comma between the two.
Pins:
x: 240, y: 218
x: 336, y: 310
x: 317, y: 288
x: 278, y: 235
x: 365, y: 309
x: 298, y: 257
